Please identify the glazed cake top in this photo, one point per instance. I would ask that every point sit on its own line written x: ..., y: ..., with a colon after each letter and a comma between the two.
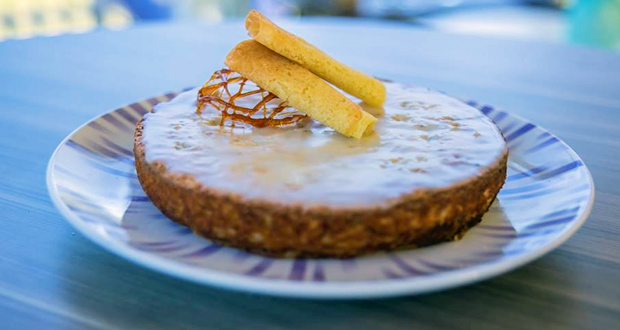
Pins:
x: 423, y: 139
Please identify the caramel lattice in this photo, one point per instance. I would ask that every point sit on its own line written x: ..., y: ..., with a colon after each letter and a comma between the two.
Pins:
x: 239, y: 100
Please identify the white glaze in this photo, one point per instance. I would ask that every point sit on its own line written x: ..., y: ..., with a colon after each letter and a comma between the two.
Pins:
x: 423, y: 139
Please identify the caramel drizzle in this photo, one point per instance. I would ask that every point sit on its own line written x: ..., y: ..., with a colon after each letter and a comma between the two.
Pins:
x: 216, y: 93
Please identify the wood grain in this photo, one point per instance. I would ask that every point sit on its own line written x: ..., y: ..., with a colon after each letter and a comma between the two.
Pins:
x: 52, y: 277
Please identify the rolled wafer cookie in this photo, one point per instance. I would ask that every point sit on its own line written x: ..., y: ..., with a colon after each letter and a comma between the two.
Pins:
x: 301, y: 88
x: 354, y: 82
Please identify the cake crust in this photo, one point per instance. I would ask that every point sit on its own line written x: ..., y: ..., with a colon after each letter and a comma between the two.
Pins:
x: 423, y: 217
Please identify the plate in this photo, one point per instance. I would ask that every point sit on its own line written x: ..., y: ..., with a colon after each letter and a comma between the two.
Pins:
x: 547, y: 196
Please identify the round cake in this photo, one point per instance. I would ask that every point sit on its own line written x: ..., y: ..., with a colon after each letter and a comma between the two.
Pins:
x: 428, y: 173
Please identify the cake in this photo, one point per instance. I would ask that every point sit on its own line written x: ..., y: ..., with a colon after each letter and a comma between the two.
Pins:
x: 270, y: 156
x: 430, y: 171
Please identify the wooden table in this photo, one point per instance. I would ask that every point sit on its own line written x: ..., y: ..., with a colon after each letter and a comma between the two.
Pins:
x: 51, y: 276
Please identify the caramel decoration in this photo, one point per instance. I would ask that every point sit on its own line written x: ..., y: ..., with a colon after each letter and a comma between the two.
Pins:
x: 216, y: 92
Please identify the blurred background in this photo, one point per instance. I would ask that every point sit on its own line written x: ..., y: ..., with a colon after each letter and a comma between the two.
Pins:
x: 594, y: 23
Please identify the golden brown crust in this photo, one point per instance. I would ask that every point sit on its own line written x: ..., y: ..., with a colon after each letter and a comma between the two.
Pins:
x: 421, y: 218
x: 300, y: 88
x: 352, y: 81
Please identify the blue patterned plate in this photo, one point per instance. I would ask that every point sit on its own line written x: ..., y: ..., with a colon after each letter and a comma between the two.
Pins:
x: 548, y: 194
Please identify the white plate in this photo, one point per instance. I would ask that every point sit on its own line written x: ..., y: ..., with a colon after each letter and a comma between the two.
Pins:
x: 548, y: 195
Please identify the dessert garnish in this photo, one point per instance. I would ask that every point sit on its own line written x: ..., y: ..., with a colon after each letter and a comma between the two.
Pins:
x: 300, y: 88
x: 246, y: 103
x: 288, y: 73
x: 296, y: 49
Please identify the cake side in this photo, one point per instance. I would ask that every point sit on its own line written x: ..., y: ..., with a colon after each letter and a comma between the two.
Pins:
x: 423, y: 217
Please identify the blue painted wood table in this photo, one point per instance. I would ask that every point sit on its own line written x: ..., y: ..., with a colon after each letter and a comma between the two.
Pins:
x: 52, y: 277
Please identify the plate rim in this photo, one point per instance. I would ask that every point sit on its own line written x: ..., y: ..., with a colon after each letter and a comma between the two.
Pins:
x: 366, y: 289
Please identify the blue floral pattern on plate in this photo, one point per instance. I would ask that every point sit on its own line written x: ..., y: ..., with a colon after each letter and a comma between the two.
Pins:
x: 547, y: 195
